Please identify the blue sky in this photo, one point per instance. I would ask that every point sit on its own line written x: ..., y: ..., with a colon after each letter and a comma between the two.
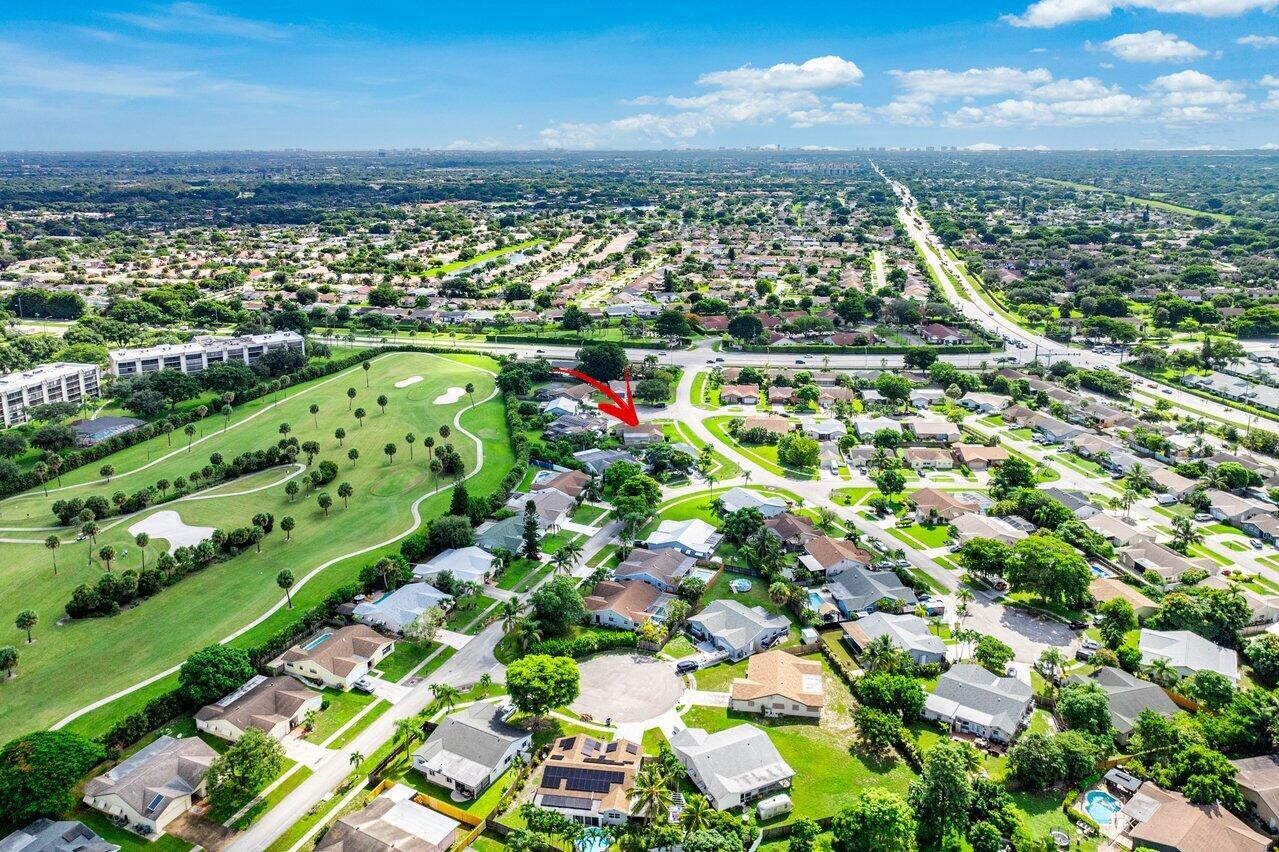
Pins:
x: 329, y: 75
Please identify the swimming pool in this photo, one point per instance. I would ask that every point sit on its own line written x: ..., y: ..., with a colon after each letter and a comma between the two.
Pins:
x: 815, y: 601
x: 592, y: 840
x: 1101, y: 806
x: 740, y: 585
x: 1098, y: 571
x: 317, y: 642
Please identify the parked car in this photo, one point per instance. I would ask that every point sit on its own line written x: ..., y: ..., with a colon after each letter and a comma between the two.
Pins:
x: 686, y: 666
x: 1084, y: 655
x: 1091, y: 644
x: 364, y: 684
x: 1256, y: 544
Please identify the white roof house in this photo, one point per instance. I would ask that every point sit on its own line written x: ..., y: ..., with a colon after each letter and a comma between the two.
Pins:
x: 739, y: 498
x: 1188, y: 653
x: 470, y: 564
x: 693, y: 537
x: 825, y: 430
x: 969, y: 526
x: 733, y: 766
x: 471, y: 749
x: 395, y: 610
x: 867, y: 426
x: 908, y: 632
x: 973, y: 700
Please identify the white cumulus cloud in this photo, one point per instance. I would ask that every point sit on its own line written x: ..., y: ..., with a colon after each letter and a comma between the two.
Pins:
x: 1152, y: 46
x: 1053, y: 13
x: 1258, y: 41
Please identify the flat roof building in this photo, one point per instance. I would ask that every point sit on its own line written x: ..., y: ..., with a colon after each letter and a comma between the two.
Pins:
x: 201, y: 353
x: 57, y: 382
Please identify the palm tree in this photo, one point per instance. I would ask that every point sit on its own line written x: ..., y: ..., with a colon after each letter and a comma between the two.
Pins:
x: 1051, y: 662
x: 484, y: 683
x: 779, y: 592
x: 651, y: 795
x: 1125, y: 501
x: 386, y: 569
x: 53, y: 543
x: 510, y: 613
x: 561, y: 562
x: 142, y: 540
x: 1139, y: 479
x: 697, y: 814
x: 26, y: 620
x: 527, y: 631
x: 880, y: 654
x: 1184, y: 534
x: 446, y: 695
x: 1162, y: 672
x: 355, y: 759
x: 470, y: 391
x: 315, y: 414
x: 407, y: 731
x: 965, y: 596
x: 567, y: 556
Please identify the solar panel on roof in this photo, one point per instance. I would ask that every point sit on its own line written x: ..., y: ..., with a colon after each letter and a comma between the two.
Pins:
x: 567, y: 742
x: 155, y: 802
x: 573, y: 802
x: 631, y: 748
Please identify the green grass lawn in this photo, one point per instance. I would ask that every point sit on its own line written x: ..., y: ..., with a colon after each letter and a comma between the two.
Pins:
x: 756, y: 595
x: 587, y: 514
x: 405, y: 656
x: 208, y: 605
x: 920, y: 535
x: 126, y: 840
x: 270, y: 800
x: 703, y: 396
x: 828, y: 775
x: 519, y: 571
x: 1222, y: 529
x: 467, y: 611
x: 765, y: 455
x: 553, y: 542
x: 724, y: 468
x: 720, y: 677
x: 479, y: 258
x: 342, y: 706
x: 680, y: 647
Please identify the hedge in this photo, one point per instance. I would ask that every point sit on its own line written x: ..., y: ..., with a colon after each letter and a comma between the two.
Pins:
x: 564, y: 340
x: 819, y: 349
x: 586, y: 644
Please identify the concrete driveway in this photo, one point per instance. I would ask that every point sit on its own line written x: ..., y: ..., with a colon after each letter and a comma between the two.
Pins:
x: 627, y: 688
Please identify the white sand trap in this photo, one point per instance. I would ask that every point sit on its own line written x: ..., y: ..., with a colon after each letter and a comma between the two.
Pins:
x: 411, y: 380
x: 450, y: 396
x: 168, y: 525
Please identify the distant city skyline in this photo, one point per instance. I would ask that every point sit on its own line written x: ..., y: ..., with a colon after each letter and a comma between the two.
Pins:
x: 1056, y: 74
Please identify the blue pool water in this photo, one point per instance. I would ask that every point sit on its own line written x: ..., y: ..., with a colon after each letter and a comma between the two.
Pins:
x: 1101, y: 806
x: 741, y: 585
x: 317, y: 642
x: 1098, y: 571
x: 814, y: 600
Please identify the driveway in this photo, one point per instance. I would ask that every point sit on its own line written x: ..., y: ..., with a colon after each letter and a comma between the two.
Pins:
x: 627, y: 688
x: 1025, y: 632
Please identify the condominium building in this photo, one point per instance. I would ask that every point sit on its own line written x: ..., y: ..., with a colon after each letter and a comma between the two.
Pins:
x: 202, y: 353
x: 60, y: 382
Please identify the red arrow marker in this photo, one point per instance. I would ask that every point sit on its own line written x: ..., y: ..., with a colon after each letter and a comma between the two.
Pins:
x: 623, y: 410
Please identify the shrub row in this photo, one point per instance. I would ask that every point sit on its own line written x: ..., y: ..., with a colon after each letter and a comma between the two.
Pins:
x: 819, y: 349
x: 585, y: 645
x: 553, y: 339
x: 113, y: 591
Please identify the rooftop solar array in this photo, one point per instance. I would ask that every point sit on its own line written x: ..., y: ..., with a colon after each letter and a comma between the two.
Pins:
x: 573, y: 802
x: 581, y: 779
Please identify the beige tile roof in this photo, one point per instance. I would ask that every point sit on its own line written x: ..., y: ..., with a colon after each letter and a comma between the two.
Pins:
x: 342, y: 652
x: 830, y: 551
x: 1174, y: 823
x: 631, y: 600
x: 780, y: 673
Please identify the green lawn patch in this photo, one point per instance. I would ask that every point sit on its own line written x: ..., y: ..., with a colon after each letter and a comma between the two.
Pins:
x: 680, y: 647
x: 923, y: 536
x: 756, y: 595
x: 587, y: 514
x: 1223, y: 529
x: 300, y: 773
x: 405, y: 656
x: 467, y: 611
x: 341, y: 708
x: 519, y: 571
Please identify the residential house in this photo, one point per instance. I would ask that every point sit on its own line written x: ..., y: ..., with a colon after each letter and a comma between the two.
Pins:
x: 273, y: 705
x: 155, y: 785
x: 978, y: 457
x: 1090, y: 445
x: 859, y: 590
x: 782, y: 395
x: 664, y: 569
x: 336, y: 658
x: 732, y: 767
x: 825, y: 430
x: 1187, y: 653
x: 779, y: 684
x: 927, y: 429
x: 735, y: 499
x: 1165, y: 821
x: 920, y: 459
x: 693, y: 537
x: 1116, y: 531
x: 641, y: 435
x: 867, y: 426
x: 625, y: 605
x: 778, y: 426
x: 471, y: 748
x: 46, y: 835
x: 574, y: 424
x: 1171, y: 482
x: 1128, y: 696
x: 569, y: 482
x: 932, y: 506
x: 1145, y: 555
x: 1233, y: 509
x: 466, y: 564
x: 1076, y: 501
x: 1258, y: 780
x: 736, y: 629
x: 392, y: 822
x: 739, y: 394
x: 506, y: 534
x: 972, y: 700
x: 589, y: 780
x: 597, y: 461
x: 1054, y: 431
x: 1106, y: 589
x: 943, y: 335
x: 1264, y: 608
x: 985, y: 403
x: 1262, y: 526
x: 972, y: 526
x: 553, y: 507
x: 924, y: 397
x: 793, y: 530
x: 824, y: 555
x: 831, y: 395
x: 397, y: 609
x: 908, y: 632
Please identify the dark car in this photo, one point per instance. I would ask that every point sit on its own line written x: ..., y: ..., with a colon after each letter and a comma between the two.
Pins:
x: 686, y: 666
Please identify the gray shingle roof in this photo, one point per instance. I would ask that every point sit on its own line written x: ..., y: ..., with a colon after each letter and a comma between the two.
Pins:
x: 470, y: 743
x: 732, y: 762
x: 858, y: 588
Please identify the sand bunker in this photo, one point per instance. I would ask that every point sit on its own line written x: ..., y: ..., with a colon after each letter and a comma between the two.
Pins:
x: 450, y: 396
x: 168, y: 525
x: 411, y: 380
